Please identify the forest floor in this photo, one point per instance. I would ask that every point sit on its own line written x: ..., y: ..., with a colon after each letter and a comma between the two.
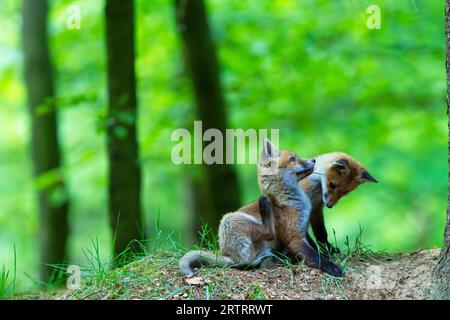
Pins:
x: 368, y: 275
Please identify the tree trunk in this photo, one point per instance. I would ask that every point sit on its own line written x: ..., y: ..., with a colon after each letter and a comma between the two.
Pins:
x: 201, y: 61
x: 441, y: 274
x: 197, y: 200
x: 124, y: 168
x: 52, y: 195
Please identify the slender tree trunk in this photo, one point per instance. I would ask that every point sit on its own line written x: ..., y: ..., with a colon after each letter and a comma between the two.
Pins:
x: 52, y: 195
x: 198, y: 204
x: 441, y: 274
x: 202, y: 64
x: 123, y: 153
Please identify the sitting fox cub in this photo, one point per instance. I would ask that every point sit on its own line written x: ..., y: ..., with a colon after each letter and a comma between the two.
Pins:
x: 335, y: 175
x: 246, y: 239
x: 292, y: 207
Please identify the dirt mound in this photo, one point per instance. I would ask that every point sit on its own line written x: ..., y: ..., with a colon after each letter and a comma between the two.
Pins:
x: 375, y: 276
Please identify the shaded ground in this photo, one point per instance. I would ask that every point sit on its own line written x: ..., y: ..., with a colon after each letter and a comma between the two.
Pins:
x: 367, y: 276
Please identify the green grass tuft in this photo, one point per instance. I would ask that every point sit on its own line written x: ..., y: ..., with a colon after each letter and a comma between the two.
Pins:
x: 7, y: 285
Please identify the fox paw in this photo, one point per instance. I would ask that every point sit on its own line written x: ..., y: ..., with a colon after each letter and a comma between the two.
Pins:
x: 332, y: 269
x: 265, y: 206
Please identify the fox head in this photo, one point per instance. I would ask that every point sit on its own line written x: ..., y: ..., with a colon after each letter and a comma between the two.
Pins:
x: 341, y: 174
x: 281, y: 168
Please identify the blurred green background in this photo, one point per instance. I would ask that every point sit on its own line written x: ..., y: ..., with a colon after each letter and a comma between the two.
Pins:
x: 309, y: 68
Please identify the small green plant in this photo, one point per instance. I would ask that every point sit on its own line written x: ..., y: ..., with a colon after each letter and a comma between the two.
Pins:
x: 95, y: 268
x: 286, y: 261
x: 7, y: 286
x: 361, y: 250
x: 208, y: 239
x: 256, y: 293
x: 329, y: 283
x: 4, y: 276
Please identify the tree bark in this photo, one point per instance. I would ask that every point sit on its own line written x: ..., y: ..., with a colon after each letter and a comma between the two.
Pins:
x: 123, y: 154
x: 52, y: 195
x: 441, y: 274
x: 202, y: 64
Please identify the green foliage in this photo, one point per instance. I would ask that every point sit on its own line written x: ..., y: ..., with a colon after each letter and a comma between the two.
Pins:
x: 208, y: 239
x: 310, y: 68
x: 256, y: 293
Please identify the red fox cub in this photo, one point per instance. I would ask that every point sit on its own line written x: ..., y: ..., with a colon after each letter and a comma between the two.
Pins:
x: 246, y: 240
x: 335, y: 175
x: 292, y: 207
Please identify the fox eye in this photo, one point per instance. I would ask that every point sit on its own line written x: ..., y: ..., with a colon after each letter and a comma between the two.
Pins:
x: 332, y: 186
x: 293, y: 159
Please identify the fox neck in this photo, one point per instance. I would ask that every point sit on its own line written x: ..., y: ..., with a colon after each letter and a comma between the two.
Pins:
x: 314, y: 187
x: 283, y: 190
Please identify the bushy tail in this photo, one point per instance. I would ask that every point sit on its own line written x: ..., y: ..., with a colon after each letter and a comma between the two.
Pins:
x: 197, y: 258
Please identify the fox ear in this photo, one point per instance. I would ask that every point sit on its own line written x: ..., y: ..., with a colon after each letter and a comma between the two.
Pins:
x: 365, y: 176
x: 341, y: 165
x: 269, y: 150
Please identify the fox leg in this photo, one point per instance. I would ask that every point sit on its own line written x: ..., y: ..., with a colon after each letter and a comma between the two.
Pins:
x: 301, y: 248
x: 263, y: 230
x: 320, y: 231
x: 311, y: 242
x: 267, y: 217
x: 261, y: 233
x: 327, y: 249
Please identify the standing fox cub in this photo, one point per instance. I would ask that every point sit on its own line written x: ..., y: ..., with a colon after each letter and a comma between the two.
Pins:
x: 245, y: 239
x: 337, y: 175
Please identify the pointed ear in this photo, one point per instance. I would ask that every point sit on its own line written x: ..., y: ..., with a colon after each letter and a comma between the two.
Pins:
x: 269, y: 151
x: 365, y: 176
x: 341, y: 165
